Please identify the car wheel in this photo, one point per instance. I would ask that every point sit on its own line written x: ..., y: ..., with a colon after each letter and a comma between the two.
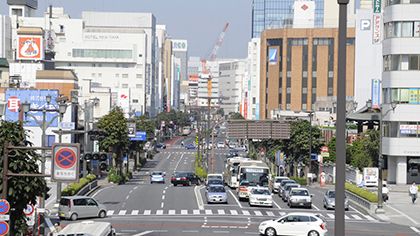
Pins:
x: 270, y: 232
x: 102, y: 214
x: 313, y: 233
x: 346, y: 209
x: 185, y: 184
x: 61, y: 218
x: 73, y: 217
x: 175, y: 185
x: 151, y: 182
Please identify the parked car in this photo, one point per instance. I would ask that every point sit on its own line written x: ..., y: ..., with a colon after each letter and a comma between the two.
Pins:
x: 185, y: 178
x: 260, y: 196
x: 285, y: 195
x: 294, y: 224
x: 277, y: 181
x: 220, y: 145
x: 240, y: 148
x: 157, y: 176
x: 216, y: 193
x: 284, y: 182
x: 75, y: 207
x: 190, y: 146
x: 329, y: 200
x: 299, y: 197
x: 161, y: 145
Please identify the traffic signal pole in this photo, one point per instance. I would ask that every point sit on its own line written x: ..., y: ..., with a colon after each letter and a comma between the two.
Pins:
x: 86, y: 141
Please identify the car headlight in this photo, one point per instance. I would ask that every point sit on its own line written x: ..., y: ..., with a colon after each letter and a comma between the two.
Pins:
x: 331, y: 200
x: 293, y: 200
x: 224, y: 196
x: 308, y: 200
x: 263, y: 224
x: 212, y: 196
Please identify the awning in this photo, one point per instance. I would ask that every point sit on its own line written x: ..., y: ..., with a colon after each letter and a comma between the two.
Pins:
x: 364, y: 114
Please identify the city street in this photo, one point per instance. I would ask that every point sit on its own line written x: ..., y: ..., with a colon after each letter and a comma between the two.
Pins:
x: 141, y: 208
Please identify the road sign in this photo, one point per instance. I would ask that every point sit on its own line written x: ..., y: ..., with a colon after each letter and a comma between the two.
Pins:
x: 4, y: 228
x: 29, y: 210
x: 191, y: 118
x: 66, y: 125
x: 325, y: 149
x: 4, y: 206
x: 96, y: 146
x: 140, y: 136
x: 4, y: 217
x: 131, y: 132
x: 65, y: 162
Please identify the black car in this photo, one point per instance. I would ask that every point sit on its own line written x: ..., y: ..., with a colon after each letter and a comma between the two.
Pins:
x: 161, y: 145
x: 185, y: 178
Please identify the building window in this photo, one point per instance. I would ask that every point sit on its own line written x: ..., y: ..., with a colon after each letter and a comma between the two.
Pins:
x: 139, y: 76
x: 124, y: 86
x: 124, y: 76
x: 254, y: 100
x: 93, y: 75
x: 124, y: 65
x: 135, y: 101
x: 102, y: 53
x: 401, y: 62
x: 117, y: 75
x: 99, y: 75
x: 139, y: 86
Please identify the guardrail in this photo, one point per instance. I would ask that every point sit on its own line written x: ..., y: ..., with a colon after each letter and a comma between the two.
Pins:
x: 83, y: 191
x: 369, y: 206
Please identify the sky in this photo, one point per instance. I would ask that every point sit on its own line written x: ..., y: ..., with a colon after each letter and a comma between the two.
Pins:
x: 198, y: 21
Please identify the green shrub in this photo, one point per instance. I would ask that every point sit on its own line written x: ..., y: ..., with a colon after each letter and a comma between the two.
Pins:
x: 366, y: 194
x: 199, y: 170
x: 114, y: 178
x: 301, y: 181
x: 74, y: 187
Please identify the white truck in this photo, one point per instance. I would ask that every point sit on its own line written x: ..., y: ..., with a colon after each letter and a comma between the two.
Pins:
x: 88, y: 228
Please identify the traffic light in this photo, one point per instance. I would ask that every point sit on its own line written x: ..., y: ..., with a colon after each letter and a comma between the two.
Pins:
x: 97, y: 134
x: 103, y: 156
x: 381, y: 163
x: 88, y: 156
x: 95, y: 156
x: 46, y: 194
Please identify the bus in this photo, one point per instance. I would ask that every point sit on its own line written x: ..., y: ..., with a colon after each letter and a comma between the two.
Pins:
x: 232, y: 170
x: 252, y: 174
x: 186, y: 130
x: 88, y: 228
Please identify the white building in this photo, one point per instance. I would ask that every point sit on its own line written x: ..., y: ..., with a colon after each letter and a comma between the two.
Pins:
x: 252, y: 91
x: 202, y: 91
x: 232, y: 74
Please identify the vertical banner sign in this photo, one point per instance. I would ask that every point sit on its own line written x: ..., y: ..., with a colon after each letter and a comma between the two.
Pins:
x: 376, y: 87
x: 272, y: 56
x: 377, y: 6
x: 257, y: 111
x: 377, y: 29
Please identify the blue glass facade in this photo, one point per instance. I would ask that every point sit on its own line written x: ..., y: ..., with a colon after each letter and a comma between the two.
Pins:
x: 278, y: 14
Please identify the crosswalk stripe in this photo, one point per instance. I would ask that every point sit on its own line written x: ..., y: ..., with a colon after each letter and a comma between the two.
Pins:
x: 147, y: 212
x: 135, y: 212
x: 356, y: 217
x: 245, y: 212
x: 159, y: 212
x: 221, y: 212
x: 331, y: 216
x: 346, y: 217
x: 269, y: 213
x: 208, y: 212
x: 369, y: 217
x: 196, y: 212
x: 122, y: 212
x: 184, y: 212
x: 171, y: 212
x: 258, y: 213
x: 233, y: 212
x: 110, y: 213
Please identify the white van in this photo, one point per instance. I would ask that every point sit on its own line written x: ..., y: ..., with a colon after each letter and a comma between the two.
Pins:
x: 214, y: 176
x: 88, y: 228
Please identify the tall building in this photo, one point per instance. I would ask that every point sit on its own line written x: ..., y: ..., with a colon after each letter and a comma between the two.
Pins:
x: 252, y: 84
x: 232, y: 74
x: 283, y: 14
x: 298, y: 65
x: 180, y: 50
x: 400, y: 84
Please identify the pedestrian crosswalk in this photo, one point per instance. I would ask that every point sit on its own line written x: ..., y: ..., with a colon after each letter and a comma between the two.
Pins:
x: 224, y: 212
x: 195, y: 151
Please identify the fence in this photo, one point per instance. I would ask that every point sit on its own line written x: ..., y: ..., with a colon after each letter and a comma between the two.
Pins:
x: 329, y: 170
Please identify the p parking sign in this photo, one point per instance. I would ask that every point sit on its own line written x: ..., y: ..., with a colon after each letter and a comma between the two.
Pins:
x: 65, y: 162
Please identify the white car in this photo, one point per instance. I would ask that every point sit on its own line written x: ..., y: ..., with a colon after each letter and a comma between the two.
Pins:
x: 277, y: 181
x: 302, y: 223
x: 220, y: 145
x: 260, y: 197
x: 299, y: 197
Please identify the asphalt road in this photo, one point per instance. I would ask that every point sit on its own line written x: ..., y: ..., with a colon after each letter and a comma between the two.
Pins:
x: 140, y: 208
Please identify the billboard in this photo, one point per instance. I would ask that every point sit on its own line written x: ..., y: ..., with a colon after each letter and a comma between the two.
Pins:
x: 30, y: 48
x: 37, y: 98
x: 377, y: 19
x: 179, y: 45
x: 272, y: 55
x: 376, y: 87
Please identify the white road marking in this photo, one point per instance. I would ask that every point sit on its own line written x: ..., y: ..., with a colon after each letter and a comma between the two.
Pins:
x: 147, y: 212
x: 190, y: 231
x: 332, y: 216
x: 131, y: 191
x: 143, y: 233
x: 220, y: 232
x: 135, y: 212
x: 233, y: 212
x: 208, y: 212
x: 270, y: 213
x: 369, y: 217
x: 258, y: 213
x: 346, y: 217
x: 164, y: 191
x: 282, y: 213
x: 277, y: 205
x: 196, y: 212
x: 169, y: 155
x: 411, y: 219
x: 415, y: 229
x: 127, y: 197
x: 163, y: 197
x: 110, y: 213
x: 159, y: 212
x: 122, y: 212
x: 161, y: 205
x: 356, y: 217
x: 221, y: 212
x: 315, y: 207
x: 237, y: 201
x: 135, y: 187
x: 184, y: 212
x: 245, y: 212
x: 171, y: 212
x: 100, y: 191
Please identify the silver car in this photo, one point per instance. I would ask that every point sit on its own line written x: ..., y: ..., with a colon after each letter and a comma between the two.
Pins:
x: 216, y: 193
x: 287, y: 187
x: 329, y: 200
x: 284, y: 182
x: 276, y: 183
x: 75, y: 207
x: 157, y: 176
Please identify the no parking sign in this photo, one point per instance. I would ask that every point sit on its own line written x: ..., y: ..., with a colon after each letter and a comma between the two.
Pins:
x: 65, y: 162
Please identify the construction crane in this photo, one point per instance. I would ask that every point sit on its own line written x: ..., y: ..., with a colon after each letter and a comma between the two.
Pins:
x: 206, y: 70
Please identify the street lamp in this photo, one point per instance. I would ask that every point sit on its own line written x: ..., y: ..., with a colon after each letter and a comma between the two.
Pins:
x: 62, y: 107
x: 380, y: 208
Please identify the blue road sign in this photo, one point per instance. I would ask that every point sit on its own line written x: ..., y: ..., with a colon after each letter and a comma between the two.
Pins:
x: 95, y: 162
x: 125, y: 159
x: 191, y: 118
x: 4, y: 206
x: 140, y: 136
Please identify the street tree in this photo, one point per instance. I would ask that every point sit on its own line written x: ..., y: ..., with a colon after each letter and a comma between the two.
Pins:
x: 237, y: 116
x: 143, y: 123
x: 115, y: 125
x: 21, y: 190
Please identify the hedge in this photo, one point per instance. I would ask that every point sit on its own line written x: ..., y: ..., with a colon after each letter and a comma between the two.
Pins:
x: 199, y: 170
x: 73, y: 188
x: 366, y: 194
x: 301, y: 181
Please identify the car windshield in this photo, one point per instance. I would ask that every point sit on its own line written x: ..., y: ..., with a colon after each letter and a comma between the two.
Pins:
x: 217, y: 189
x: 288, y: 187
x: 215, y: 181
x: 157, y: 173
x: 261, y: 191
x: 181, y: 175
x: 331, y: 194
x: 286, y: 182
x: 300, y: 193
x: 278, y: 180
